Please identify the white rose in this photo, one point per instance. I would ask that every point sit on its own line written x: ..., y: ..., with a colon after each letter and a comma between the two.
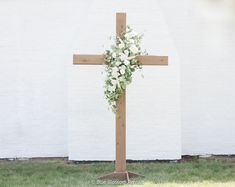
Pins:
x: 127, y: 35
x: 131, y: 41
x: 123, y: 67
x: 115, y: 69
x: 126, y: 52
x: 121, y: 45
x: 126, y: 62
x: 134, y: 49
x: 118, y: 63
x: 115, y: 74
x: 114, y: 55
x: 123, y: 56
x: 122, y: 71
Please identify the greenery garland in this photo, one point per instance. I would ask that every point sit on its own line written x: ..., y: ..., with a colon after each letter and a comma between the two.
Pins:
x: 121, y: 62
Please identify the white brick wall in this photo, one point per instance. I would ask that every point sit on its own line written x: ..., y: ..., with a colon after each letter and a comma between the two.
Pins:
x: 44, y: 100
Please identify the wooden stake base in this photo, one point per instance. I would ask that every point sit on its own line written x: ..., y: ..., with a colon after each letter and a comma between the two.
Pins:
x: 120, y: 176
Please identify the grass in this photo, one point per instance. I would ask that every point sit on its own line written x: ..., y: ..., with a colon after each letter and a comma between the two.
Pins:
x: 59, y: 173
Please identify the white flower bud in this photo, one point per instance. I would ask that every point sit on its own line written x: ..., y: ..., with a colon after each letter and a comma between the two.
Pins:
x: 133, y: 33
x: 134, y: 49
x: 115, y: 69
x: 126, y: 52
x: 114, y: 55
x: 122, y: 71
x: 123, y: 56
x: 123, y: 67
x: 127, y: 35
x: 118, y: 63
x: 126, y: 62
x: 121, y: 45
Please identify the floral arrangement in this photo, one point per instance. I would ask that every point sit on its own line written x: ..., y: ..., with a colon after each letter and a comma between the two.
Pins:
x: 121, y: 62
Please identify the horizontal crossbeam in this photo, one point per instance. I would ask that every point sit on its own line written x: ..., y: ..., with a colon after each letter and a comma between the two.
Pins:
x: 88, y: 59
x: 153, y: 60
x: 99, y: 60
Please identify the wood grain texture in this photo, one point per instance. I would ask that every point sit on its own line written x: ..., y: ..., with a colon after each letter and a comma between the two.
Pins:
x: 153, y: 60
x: 120, y: 164
x: 120, y: 23
x: 88, y: 59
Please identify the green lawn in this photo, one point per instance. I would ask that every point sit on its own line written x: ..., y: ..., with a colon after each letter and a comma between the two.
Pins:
x: 59, y: 173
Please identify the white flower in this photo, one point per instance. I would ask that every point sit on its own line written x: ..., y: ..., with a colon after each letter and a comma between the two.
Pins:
x: 111, y: 88
x: 133, y: 34
x: 134, y: 49
x: 123, y: 56
x: 131, y: 41
x: 115, y: 74
x: 114, y: 81
x: 127, y: 35
x: 115, y: 69
x: 126, y: 62
x: 114, y: 55
x: 122, y: 71
x: 126, y: 52
x: 118, y: 63
x: 121, y: 78
x: 123, y: 67
x: 121, y: 45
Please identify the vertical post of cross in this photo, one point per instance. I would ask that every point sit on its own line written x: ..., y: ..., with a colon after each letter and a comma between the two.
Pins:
x: 120, y: 164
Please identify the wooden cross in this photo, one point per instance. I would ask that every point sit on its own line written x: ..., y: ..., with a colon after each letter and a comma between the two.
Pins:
x: 120, y: 164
